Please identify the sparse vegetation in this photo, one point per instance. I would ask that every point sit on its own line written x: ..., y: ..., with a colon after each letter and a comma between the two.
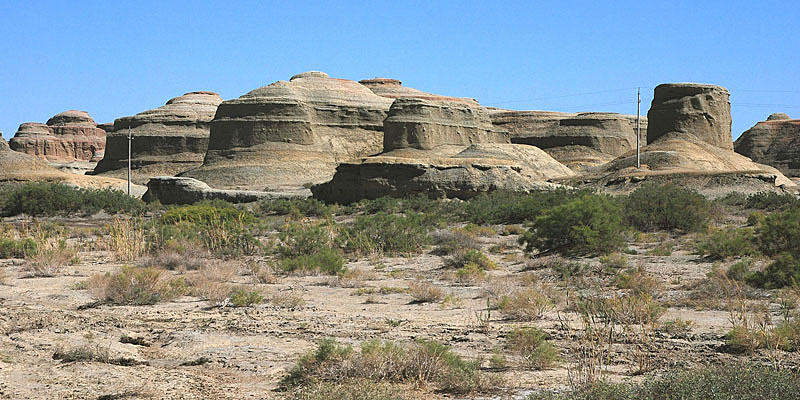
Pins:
x: 48, y: 199
x: 531, y: 345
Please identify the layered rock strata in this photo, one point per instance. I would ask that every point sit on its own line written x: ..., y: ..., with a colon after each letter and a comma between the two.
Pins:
x: 21, y: 167
x: 166, y: 141
x: 580, y: 140
x: 71, y: 136
x: 293, y: 133
x: 182, y: 190
x: 775, y: 142
x: 394, y: 89
x: 683, y: 109
x: 441, y: 148
x: 693, y: 144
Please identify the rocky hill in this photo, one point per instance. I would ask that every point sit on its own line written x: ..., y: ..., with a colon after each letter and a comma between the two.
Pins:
x: 775, y: 142
x: 69, y: 140
x: 293, y: 133
x: 167, y: 140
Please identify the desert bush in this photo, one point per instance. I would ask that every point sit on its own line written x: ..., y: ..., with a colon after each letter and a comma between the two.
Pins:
x: 173, y: 258
x: 91, y: 353
x: 18, y: 248
x: 299, y: 239
x: 780, y: 232
x: 531, y: 345
x: 780, y: 273
x: 771, y: 201
x: 136, y: 286
x: 287, y: 299
x: 424, y: 292
x: 421, y: 362
x: 389, y: 234
x: 669, y: 207
x: 41, y: 198
x: 499, y: 207
x: 741, y: 382
x: 51, y: 259
x: 613, y: 262
x: 326, y: 261
x: 451, y: 241
x: 241, y: 297
x: 636, y: 281
x: 727, y: 243
x: 471, y: 257
x: 528, y: 304
x: 739, y: 270
x: 309, y: 207
x: 351, y: 389
x: 127, y: 239
x: 588, y: 225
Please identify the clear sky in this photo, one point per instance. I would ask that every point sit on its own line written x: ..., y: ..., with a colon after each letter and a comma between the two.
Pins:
x: 117, y: 58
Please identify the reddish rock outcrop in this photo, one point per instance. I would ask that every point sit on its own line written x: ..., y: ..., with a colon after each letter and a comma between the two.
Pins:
x: 167, y: 140
x: 66, y: 137
x: 775, y: 142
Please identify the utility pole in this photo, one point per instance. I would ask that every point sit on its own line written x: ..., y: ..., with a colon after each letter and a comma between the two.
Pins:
x: 129, y: 159
x: 638, y: 128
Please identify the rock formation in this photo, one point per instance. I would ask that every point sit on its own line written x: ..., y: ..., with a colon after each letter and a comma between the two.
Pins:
x: 683, y: 109
x: 691, y: 143
x: 394, y: 89
x: 66, y: 137
x: 20, y: 167
x: 289, y: 134
x: 579, y: 141
x: 166, y: 141
x: 181, y: 190
x: 775, y: 142
x: 441, y: 148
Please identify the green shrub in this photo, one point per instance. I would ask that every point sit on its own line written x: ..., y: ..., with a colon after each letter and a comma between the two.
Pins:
x: 309, y: 207
x: 780, y: 232
x: 244, y: 298
x: 207, y: 213
x: 389, y: 234
x: 532, y: 346
x: 326, y: 261
x: 588, y: 225
x: 780, y: 273
x: 499, y: 207
x: 727, y: 243
x: 669, y: 207
x: 22, y: 248
x: 41, y: 198
x: 472, y: 257
x: 771, y: 201
x: 298, y: 239
x: 739, y: 270
x: 741, y: 382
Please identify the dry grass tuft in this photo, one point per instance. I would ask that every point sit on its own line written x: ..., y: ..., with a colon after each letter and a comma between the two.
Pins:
x: 425, y: 292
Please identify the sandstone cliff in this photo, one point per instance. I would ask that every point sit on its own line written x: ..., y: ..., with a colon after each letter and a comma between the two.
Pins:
x: 167, y: 140
x: 292, y: 133
x: 66, y: 137
x: 699, y: 110
x: 775, y: 142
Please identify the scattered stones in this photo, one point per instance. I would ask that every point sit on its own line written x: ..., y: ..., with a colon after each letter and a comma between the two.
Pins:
x: 167, y: 140
x: 290, y: 134
x: 775, y: 142
x: 66, y: 137
x: 683, y: 109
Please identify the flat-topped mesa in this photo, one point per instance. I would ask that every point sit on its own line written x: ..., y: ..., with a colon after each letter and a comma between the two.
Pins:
x: 774, y: 142
x: 682, y: 110
x: 427, y: 124
x: 579, y: 140
x: 394, y: 89
x: 70, y: 136
x: 289, y: 134
x: 166, y: 140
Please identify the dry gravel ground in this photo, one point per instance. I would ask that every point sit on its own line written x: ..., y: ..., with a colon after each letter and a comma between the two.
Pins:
x: 248, y: 350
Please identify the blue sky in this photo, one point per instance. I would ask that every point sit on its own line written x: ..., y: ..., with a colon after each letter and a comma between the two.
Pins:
x: 117, y: 58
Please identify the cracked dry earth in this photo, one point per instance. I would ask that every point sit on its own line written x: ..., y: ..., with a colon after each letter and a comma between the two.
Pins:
x: 244, y: 352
